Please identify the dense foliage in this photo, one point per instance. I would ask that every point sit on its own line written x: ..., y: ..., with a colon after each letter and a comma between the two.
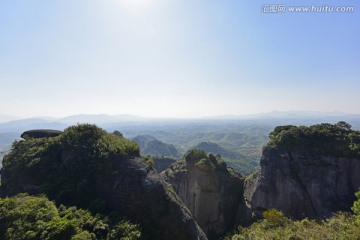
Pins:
x: 275, y: 225
x: 36, y: 218
x: 69, y: 163
x: 328, y: 139
x: 356, y: 208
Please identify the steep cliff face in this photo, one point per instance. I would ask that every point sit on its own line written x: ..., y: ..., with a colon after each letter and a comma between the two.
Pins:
x: 210, y: 190
x: 87, y: 167
x: 138, y: 192
x: 302, y: 183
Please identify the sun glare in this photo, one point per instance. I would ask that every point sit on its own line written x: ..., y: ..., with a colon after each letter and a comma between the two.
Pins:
x: 135, y: 3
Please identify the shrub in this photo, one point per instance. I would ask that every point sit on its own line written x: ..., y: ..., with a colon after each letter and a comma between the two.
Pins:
x: 195, y: 155
x: 275, y: 226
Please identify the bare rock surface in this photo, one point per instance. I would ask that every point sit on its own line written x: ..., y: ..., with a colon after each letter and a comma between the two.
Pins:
x: 210, y: 190
x: 302, y: 184
x: 41, y: 133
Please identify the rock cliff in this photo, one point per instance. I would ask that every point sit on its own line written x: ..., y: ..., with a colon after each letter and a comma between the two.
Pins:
x: 210, y: 190
x: 138, y: 192
x: 87, y: 167
x: 306, y: 172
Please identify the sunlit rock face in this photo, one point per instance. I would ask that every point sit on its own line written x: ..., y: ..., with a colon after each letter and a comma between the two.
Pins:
x: 302, y: 184
x: 210, y: 190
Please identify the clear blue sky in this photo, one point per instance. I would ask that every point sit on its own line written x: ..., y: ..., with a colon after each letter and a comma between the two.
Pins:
x: 176, y: 58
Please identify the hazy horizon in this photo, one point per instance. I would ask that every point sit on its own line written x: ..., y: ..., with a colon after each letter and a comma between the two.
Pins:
x: 273, y: 114
x: 176, y: 59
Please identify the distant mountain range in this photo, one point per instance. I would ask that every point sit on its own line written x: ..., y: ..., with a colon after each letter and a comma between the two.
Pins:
x: 6, y: 118
x: 239, y: 138
x: 19, y: 125
x: 149, y: 145
x: 176, y: 131
x: 111, y: 119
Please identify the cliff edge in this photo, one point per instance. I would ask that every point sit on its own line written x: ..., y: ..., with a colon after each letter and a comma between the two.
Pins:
x: 306, y: 172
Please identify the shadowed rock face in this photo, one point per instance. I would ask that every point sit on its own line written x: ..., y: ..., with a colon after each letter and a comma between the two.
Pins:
x: 162, y: 163
x: 211, y: 193
x: 139, y: 193
x: 302, y: 184
x: 127, y: 185
x: 41, y: 133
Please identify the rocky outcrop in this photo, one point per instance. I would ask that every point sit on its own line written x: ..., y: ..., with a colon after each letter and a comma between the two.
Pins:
x: 41, y: 133
x: 302, y: 184
x: 210, y: 190
x: 138, y: 192
x: 120, y: 182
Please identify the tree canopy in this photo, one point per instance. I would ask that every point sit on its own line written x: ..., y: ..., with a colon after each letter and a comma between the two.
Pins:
x: 36, y: 218
x: 328, y: 139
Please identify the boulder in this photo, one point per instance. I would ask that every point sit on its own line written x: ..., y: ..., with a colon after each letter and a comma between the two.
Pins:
x: 41, y: 133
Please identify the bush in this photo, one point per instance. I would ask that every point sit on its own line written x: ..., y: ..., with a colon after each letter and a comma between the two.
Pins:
x: 275, y: 225
x: 356, y: 208
x: 274, y: 218
x: 195, y: 155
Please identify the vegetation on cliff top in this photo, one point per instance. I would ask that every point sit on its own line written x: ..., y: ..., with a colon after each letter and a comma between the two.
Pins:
x: 205, y: 161
x: 32, y: 218
x: 68, y: 162
x: 326, y: 139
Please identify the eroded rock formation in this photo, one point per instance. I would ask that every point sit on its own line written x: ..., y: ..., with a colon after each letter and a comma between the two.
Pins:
x: 209, y: 189
x: 302, y: 184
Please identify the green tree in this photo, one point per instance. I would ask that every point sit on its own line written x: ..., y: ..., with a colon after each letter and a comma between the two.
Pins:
x: 36, y: 218
x: 356, y: 207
